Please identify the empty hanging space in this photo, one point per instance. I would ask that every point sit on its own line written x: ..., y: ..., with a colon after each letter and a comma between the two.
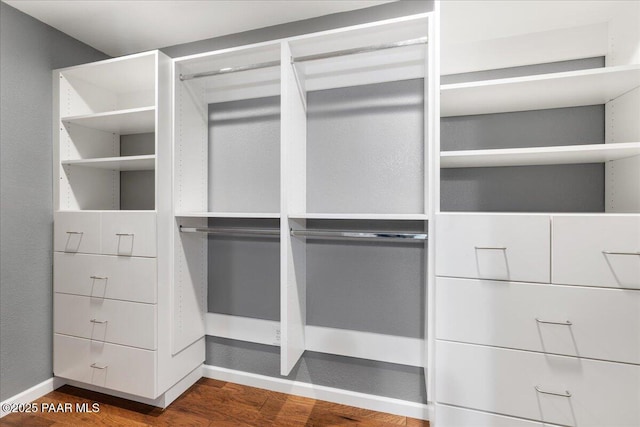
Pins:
x: 107, y: 135
x: 362, y: 95
x: 228, y: 133
x: 550, y: 137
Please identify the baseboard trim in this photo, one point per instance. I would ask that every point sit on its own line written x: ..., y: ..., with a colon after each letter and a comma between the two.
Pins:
x: 31, y: 394
x: 330, y: 394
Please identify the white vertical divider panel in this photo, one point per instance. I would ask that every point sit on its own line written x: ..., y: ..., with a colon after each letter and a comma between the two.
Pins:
x: 57, y: 128
x: 190, y: 182
x: 622, y: 177
x: 293, y: 133
x: 432, y: 186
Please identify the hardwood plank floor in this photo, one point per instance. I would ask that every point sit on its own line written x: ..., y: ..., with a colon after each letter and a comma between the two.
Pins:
x: 207, y: 403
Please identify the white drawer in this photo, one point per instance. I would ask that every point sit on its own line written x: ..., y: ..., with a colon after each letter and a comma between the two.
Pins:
x: 123, y: 278
x: 129, y: 233
x: 113, y: 321
x: 501, y: 247
x: 597, y: 251
x: 504, y: 382
x: 605, y: 323
x: 76, y: 232
x: 116, y: 367
x: 449, y: 416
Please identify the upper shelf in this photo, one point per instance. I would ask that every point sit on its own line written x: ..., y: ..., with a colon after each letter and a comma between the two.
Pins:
x: 360, y: 216
x: 130, y: 121
x: 555, y: 90
x: 571, y: 154
x: 125, y: 163
x: 259, y: 215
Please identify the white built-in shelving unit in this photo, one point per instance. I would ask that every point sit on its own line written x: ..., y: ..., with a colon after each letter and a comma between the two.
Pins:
x: 233, y: 176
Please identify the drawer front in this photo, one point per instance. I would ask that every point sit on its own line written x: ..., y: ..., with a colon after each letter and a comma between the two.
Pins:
x: 116, y: 367
x: 122, y: 278
x: 500, y: 247
x: 118, y: 322
x: 76, y: 232
x: 597, y: 251
x: 605, y: 323
x: 129, y: 233
x: 449, y: 416
x: 504, y: 382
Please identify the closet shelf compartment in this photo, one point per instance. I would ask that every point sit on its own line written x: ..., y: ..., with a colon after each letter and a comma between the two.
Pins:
x: 258, y: 215
x: 127, y: 163
x: 123, y: 122
x: 363, y: 216
x: 555, y: 90
x: 536, y: 156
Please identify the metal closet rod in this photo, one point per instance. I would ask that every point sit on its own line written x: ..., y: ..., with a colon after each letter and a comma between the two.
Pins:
x: 232, y: 231
x: 316, y: 57
x: 360, y: 235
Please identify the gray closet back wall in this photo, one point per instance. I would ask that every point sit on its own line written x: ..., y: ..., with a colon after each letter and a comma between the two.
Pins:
x: 29, y: 50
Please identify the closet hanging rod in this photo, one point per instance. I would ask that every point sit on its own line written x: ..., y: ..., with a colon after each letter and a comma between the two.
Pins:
x: 361, y: 235
x: 345, y: 52
x: 232, y: 231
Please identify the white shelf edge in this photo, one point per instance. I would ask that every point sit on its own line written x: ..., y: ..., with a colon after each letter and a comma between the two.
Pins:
x: 124, y: 163
x: 264, y: 215
x: 113, y: 113
x: 420, y: 217
x: 542, y: 91
x: 541, y: 77
x: 537, y: 156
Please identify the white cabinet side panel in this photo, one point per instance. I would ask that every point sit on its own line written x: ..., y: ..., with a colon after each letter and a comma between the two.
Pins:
x: 293, y: 190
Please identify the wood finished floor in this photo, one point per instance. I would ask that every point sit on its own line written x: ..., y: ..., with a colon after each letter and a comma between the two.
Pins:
x: 207, y: 403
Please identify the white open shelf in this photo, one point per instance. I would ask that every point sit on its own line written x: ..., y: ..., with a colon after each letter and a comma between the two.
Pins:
x: 555, y: 90
x: 264, y: 215
x: 388, y: 217
x: 570, y: 154
x: 123, y: 122
x: 126, y: 163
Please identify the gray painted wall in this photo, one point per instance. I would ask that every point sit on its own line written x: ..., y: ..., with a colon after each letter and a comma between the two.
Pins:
x: 29, y: 50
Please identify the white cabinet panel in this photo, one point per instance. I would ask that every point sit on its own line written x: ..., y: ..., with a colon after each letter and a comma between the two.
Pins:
x: 504, y: 314
x: 123, y: 278
x: 449, y: 416
x: 76, y: 232
x: 99, y: 319
x: 129, y: 233
x: 116, y: 367
x: 597, y: 251
x: 501, y: 247
x: 504, y: 381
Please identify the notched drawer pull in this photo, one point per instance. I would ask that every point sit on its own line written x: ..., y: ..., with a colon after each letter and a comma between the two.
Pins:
x: 566, y: 393
x: 98, y: 321
x: 549, y: 322
x: 98, y: 277
x: 75, y: 232
x: 620, y: 253
x: 124, y: 234
x: 493, y: 248
x: 96, y: 366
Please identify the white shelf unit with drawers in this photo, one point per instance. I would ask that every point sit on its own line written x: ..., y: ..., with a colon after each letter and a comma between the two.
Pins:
x: 267, y: 179
x: 538, y: 313
x: 112, y: 300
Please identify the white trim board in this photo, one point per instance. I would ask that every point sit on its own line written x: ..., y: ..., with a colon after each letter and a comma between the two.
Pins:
x: 319, y: 392
x: 33, y: 393
x: 343, y: 342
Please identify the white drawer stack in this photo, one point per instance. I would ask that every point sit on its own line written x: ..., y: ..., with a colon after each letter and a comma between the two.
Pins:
x: 537, y: 320
x: 105, y: 300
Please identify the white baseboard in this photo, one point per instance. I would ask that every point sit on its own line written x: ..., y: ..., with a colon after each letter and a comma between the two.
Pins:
x: 29, y: 395
x: 330, y: 394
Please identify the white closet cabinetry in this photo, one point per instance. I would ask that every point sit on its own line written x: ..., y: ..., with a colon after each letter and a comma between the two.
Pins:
x: 272, y: 177
x: 537, y: 310
x: 112, y: 202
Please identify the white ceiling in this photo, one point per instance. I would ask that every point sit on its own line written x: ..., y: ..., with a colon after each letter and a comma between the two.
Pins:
x: 122, y: 27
